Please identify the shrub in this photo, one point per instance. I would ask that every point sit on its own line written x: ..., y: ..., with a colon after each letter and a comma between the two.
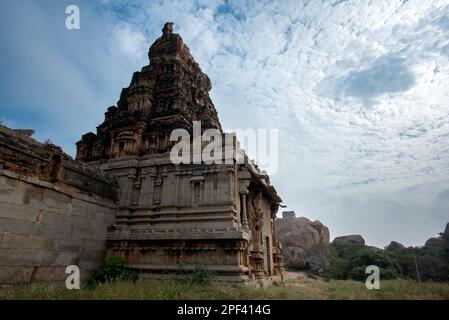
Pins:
x: 202, y: 275
x: 432, y: 264
x: 352, y: 264
x: 181, y: 268
x: 346, y: 250
x: 338, y: 269
x: 389, y: 266
x: 113, y: 268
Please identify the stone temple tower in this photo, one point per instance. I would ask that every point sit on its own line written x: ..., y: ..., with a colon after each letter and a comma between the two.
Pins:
x: 170, y: 93
x: 180, y: 216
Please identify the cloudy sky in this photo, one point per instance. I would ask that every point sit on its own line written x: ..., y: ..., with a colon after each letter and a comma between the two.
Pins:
x: 358, y: 91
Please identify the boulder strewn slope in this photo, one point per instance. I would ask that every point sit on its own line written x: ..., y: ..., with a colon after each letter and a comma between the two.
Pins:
x: 305, y: 243
x: 351, y: 239
x: 394, y: 246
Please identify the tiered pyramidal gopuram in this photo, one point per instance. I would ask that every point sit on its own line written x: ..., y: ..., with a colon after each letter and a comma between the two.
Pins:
x: 176, y: 217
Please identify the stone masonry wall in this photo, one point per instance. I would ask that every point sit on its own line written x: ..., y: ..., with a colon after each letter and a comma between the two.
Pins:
x: 43, y: 230
x: 49, y: 222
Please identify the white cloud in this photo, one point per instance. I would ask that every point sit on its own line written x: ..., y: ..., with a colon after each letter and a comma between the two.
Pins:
x: 357, y: 88
x: 131, y: 43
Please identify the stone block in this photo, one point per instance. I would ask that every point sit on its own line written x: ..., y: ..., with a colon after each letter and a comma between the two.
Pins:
x: 94, y: 244
x: 33, y: 195
x: 50, y: 273
x: 66, y: 258
x: 89, y: 265
x: 98, y: 233
x: 57, y: 201
x: 82, y: 222
x: 80, y: 233
x: 15, y: 226
x: 78, y: 212
x: 11, y: 190
x: 19, y: 212
x: 66, y: 245
x: 53, y: 231
x: 53, y: 218
x: 83, y: 206
x: 18, y: 241
x: 26, y: 257
x: 93, y: 255
x: 15, y: 274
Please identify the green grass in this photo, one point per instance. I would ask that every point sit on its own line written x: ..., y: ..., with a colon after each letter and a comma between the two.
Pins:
x: 389, y: 290
x: 170, y: 289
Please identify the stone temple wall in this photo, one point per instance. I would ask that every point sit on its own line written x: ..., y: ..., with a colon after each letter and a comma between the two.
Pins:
x: 54, y: 211
x: 187, y: 215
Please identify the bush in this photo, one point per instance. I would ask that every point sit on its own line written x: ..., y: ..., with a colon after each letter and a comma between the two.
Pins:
x: 338, y: 269
x: 181, y: 269
x: 432, y: 264
x: 346, y: 250
x: 389, y: 266
x: 113, y: 268
x: 351, y: 263
x: 202, y: 275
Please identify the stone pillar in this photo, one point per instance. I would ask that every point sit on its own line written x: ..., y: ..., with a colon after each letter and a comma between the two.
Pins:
x: 139, y: 185
x: 131, y: 179
x: 146, y: 190
x: 244, y: 214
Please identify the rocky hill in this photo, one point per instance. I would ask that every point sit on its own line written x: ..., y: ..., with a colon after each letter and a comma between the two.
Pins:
x: 305, y: 243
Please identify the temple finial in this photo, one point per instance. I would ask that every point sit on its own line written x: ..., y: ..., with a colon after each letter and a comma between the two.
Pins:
x: 168, y: 28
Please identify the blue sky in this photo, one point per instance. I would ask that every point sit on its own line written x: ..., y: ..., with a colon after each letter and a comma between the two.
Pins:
x: 358, y: 90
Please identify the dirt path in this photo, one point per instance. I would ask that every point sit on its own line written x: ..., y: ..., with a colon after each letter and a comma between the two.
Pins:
x: 300, y: 279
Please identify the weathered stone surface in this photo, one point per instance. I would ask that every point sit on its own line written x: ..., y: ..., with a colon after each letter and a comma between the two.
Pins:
x: 301, y: 232
x: 304, y: 238
x: 92, y: 254
x: 53, y: 231
x: 439, y: 242
x: 305, y: 243
x: 322, y: 230
x: 80, y: 234
x: 93, y: 244
x: 33, y: 196
x: 16, y: 241
x: 26, y: 132
x: 15, y: 226
x: 18, y: 212
x: 394, y: 246
x: 57, y: 202
x: 434, y: 243
x: 39, y: 186
x: 67, y: 245
x: 351, y: 239
x: 67, y: 258
x: 50, y: 273
x: 11, y: 191
x: 89, y: 266
x: 15, y: 274
x: 25, y: 156
x: 55, y: 218
x: 288, y: 214
x: 294, y: 257
x: 26, y: 257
